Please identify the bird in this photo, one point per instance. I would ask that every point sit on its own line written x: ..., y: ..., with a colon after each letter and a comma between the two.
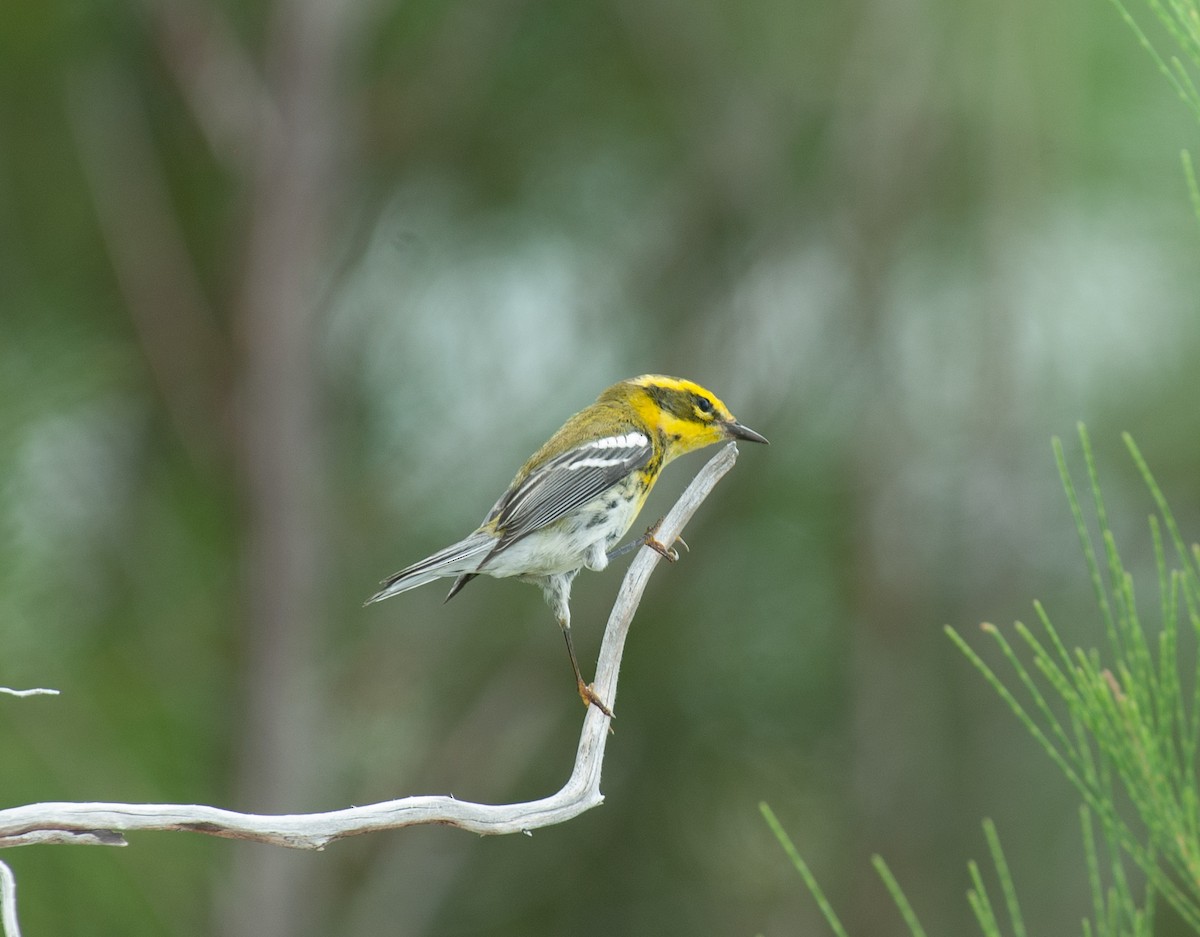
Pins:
x: 577, y: 496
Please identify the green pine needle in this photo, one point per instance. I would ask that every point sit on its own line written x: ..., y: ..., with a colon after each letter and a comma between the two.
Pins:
x: 898, y: 896
x: 1189, y: 175
x: 802, y: 867
x: 981, y: 904
x: 1006, y: 884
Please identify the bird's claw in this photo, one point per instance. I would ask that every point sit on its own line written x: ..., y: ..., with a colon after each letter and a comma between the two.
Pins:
x: 669, y: 554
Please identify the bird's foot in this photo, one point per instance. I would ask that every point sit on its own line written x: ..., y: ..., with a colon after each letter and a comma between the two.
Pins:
x: 670, y: 554
x: 588, y: 694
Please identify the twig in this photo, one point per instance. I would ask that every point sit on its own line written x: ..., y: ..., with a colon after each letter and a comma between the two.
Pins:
x: 36, y: 691
x: 103, y: 823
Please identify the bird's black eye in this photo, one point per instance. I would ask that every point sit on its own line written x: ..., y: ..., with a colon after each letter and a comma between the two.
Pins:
x: 704, y: 405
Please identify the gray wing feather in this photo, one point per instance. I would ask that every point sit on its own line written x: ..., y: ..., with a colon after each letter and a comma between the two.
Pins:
x: 566, y: 482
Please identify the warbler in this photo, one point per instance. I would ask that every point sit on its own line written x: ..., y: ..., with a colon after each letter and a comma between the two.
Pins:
x: 576, y: 497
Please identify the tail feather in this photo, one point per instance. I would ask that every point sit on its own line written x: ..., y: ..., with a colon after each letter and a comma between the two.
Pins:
x: 460, y: 559
x: 458, y: 584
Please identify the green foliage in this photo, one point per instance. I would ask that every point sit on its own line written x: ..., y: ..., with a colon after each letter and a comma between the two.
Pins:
x: 1181, y: 20
x: 1132, y: 725
x: 978, y: 896
x: 1122, y: 723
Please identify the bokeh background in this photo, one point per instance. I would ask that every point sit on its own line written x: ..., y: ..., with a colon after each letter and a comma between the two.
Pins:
x: 289, y: 289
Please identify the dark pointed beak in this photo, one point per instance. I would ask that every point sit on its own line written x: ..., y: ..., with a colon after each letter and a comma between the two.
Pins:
x: 737, y: 431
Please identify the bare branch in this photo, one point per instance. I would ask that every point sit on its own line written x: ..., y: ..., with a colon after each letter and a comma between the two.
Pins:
x: 104, y: 823
x: 8, y: 902
x: 36, y: 691
x: 48, y: 837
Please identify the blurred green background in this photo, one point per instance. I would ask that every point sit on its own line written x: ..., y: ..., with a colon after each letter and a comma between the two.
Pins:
x: 288, y: 291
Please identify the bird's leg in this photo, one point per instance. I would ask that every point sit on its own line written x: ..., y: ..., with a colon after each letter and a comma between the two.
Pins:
x: 586, y: 693
x: 557, y: 589
x: 649, y: 540
x: 624, y: 548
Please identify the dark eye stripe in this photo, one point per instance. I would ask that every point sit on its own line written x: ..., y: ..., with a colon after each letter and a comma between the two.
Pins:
x: 680, y: 403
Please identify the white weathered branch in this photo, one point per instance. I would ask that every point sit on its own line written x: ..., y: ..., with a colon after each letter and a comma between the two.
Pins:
x: 104, y: 823
x: 8, y: 884
x: 8, y: 902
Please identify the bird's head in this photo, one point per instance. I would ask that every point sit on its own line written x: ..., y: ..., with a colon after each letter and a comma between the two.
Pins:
x: 688, y: 416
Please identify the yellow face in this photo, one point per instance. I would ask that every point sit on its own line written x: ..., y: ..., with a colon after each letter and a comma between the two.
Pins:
x: 689, y: 416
